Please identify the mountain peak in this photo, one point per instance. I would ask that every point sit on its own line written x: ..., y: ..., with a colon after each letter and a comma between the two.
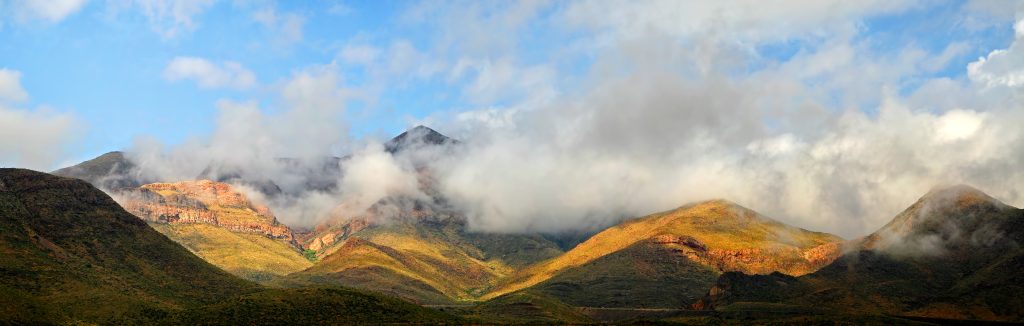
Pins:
x: 112, y: 170
x: 961, y: 194
x: 418, y: 136
x: 945, y: 216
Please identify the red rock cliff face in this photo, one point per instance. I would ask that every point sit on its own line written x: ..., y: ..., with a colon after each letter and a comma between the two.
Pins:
x: 786, y: 259
x: 205, y: 202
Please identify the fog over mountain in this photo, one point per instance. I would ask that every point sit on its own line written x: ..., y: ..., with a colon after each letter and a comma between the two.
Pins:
x: 671, y: 104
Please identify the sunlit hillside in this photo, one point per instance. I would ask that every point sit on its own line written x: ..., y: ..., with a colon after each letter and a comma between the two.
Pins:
x: 718, y: 234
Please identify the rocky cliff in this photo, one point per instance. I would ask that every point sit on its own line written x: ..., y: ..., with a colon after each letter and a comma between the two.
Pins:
x: 791, y: 259
x: 204, y: 202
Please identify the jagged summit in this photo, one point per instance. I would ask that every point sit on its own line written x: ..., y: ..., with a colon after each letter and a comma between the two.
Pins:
x: 418, y: 136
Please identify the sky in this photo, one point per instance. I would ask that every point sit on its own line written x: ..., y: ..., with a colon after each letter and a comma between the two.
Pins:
x: 830, y: 115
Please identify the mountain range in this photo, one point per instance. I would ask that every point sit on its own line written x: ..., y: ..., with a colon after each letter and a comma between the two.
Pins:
x: 205, y: 245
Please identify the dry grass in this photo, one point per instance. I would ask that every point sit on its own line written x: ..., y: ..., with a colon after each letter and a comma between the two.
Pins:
x: 250, y: 256
x: 718, y: 224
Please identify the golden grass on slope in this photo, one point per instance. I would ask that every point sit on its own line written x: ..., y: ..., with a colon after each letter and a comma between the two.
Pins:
x: 437, y: 263
x: 251, y: 256
x: 718, y: 224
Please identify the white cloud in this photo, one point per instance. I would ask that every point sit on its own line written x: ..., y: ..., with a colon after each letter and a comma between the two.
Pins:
x: 661, y: 116
x: 50, y: 10
x: 1002, y: 67
x: 10, y: 86
x: 958, y: 125
x: 228, y: 74
x: 34, y: 139
x: 371, y: 175
x: 306, y: 124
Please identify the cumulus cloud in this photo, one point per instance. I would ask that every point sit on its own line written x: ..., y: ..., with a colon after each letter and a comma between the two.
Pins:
x: 206, y: 74
x: 1002, y: 67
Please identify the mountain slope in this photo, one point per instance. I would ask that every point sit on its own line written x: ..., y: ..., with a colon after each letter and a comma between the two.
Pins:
x: 417, y: 248
x: 111, y: 170
x: 955, y: 253
x: 70, y: 253
x: 675, y: 253
x: 422, y: 255
x: 219, y: 224
x: 250, y: 256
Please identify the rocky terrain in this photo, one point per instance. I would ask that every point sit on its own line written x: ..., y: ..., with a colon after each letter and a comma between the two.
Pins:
x: 219, y: 224
x: 204, y: 202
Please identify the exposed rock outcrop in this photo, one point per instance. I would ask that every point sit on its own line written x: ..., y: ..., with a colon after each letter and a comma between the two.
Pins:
x: 204, y: 202
x: 752, y: 260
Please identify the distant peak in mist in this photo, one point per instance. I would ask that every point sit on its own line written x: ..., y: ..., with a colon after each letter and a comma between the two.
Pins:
x: 415, y: 137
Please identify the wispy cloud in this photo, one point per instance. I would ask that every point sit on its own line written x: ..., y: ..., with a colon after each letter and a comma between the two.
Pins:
x: 206, y: 74
x: 169, y: 18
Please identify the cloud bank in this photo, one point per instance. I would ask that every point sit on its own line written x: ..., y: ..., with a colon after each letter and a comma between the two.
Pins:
x: 645, y: 106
